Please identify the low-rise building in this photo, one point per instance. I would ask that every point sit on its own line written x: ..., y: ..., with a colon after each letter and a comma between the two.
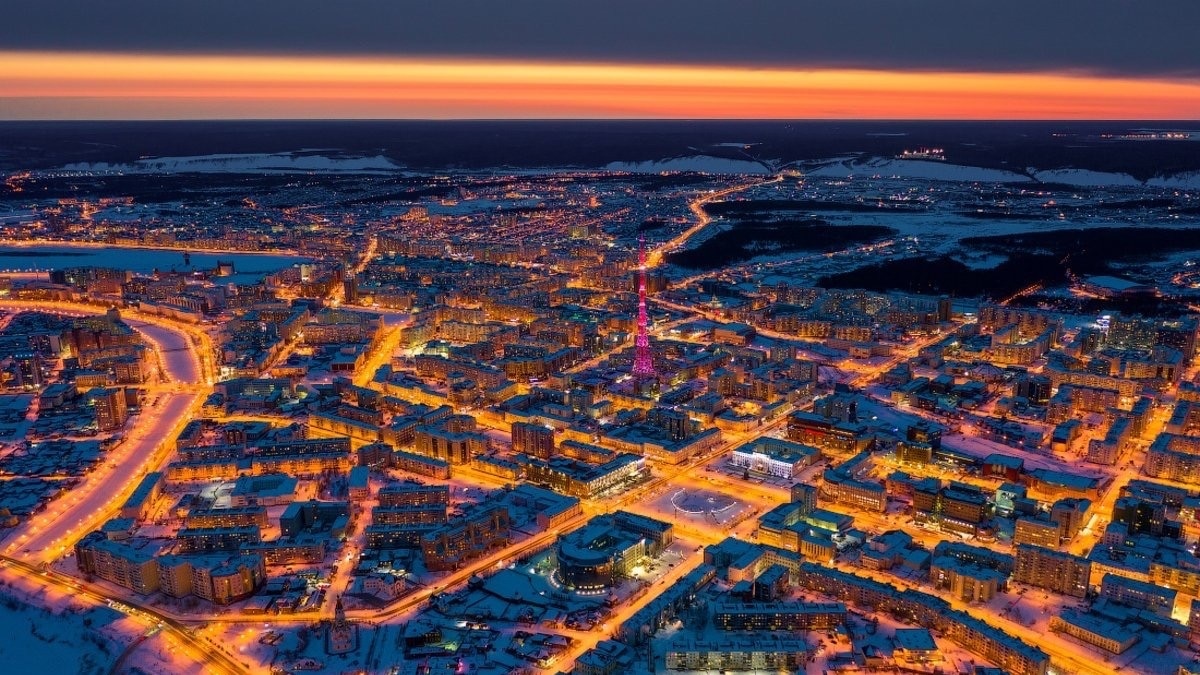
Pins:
x: 1095, y: 630
x: 1139, y: 594
x: 969, y: 583
x: 143, y: 496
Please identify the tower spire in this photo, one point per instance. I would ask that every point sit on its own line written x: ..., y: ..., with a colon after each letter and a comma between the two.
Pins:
x: 643, y: 361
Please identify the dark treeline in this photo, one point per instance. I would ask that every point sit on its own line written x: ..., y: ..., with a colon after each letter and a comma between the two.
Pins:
x: 945, y: 275
x: 751, y: 207
x: 747, y: 239
x: 1048, y: 258
x: 1094, y: 250
x: 466, y: 145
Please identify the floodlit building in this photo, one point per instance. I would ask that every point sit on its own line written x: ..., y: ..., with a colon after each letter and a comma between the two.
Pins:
x: 608, y: 548
x: 774, y: 457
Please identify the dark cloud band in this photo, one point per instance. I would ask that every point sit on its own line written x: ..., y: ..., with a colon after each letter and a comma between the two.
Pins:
x: 1127, y: 37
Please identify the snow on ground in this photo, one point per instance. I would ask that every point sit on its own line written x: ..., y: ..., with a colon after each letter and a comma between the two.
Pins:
x: 291, y: 647
x: 930, y: 170
x: 987, y: 261
x: 939, y: 232
x: 700, y: 163
x: 1189, y: 180
x: 901, y: 418
x: 982, y: 447
x: 158, y: 656
x: 831, y: 650
x: 243, y: 163
x: 80, y: 639
x: 876, y: 413
x: 700, y: 507
x: 1086, y: 178
x: 910, y: 168
x: 842, y: 167
x: 835, y: 167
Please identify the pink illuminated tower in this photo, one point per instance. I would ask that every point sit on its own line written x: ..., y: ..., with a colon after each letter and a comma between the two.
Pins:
x: 643, y: 362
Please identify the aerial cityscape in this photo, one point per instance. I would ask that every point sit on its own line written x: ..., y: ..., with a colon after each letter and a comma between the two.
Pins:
x: 514, y: 347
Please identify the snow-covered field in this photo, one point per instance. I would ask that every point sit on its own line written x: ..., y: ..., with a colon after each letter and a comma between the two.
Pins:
x: 700, y: 163
x: 834, y: 167
x: 909, y: 168
x: 244, y: 163
x: 944, y: 171
x: 73, y: 639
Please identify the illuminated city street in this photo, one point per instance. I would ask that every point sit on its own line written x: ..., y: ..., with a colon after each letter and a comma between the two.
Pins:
x: 535, y: 338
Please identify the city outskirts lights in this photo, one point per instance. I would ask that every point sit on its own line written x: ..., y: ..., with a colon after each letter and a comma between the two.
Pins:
x: 79, y: 85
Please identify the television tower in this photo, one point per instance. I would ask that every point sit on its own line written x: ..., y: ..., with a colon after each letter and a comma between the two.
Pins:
x: 643, y: 362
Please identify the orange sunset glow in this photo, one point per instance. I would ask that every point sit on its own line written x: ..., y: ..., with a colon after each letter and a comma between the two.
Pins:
x: 43, y: 85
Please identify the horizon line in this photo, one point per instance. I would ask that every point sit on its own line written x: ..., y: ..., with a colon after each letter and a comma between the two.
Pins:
x: 801, y: 120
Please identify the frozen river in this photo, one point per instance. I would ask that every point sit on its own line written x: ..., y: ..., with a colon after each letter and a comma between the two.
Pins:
x: 248, y: 267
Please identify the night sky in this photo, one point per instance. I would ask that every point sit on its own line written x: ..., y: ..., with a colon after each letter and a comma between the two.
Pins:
x: 616, y: 58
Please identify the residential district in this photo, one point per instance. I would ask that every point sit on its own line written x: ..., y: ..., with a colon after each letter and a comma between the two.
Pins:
x: 513, y: 443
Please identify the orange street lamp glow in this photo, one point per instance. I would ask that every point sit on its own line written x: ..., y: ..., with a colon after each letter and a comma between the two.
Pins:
x: 45, y: 85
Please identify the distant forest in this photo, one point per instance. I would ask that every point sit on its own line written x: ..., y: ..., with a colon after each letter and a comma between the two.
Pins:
x: 744, y: 240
